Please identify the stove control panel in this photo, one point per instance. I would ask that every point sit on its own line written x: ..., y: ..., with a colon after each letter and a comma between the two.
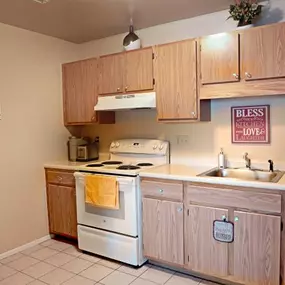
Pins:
x: 140, y: 146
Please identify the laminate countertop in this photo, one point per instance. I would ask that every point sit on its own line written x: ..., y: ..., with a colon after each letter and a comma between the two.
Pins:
x: 187, y: 173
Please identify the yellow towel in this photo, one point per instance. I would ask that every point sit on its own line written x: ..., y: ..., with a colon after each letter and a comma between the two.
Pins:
x: 102, y: 191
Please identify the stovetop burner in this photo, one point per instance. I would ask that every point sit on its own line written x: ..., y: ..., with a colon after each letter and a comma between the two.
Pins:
x: 144, y: 164
x: 112, y: 162
x: 128, y: 167
x: 95, y: 165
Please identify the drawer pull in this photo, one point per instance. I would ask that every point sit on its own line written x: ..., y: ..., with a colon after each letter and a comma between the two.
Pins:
x: 179, y: 209
x: 236, y: 219
x: 160, y: 191
x: 59, y: 178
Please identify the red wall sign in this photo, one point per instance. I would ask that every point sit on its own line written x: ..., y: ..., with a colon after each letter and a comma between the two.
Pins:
x: 251, y: 124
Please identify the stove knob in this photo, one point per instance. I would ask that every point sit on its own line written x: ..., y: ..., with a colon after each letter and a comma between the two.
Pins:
x: 161, y: 147
x: 155, y: 147
x: 117, y: 144
x: 113, y: 145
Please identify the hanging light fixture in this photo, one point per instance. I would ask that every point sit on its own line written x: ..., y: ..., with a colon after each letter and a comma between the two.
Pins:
x: 131, y: 40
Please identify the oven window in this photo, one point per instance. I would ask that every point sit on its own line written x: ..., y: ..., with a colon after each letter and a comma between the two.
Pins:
x: 118, y: 214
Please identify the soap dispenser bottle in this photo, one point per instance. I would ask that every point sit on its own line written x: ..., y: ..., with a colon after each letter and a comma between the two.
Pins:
x: 221, y: 160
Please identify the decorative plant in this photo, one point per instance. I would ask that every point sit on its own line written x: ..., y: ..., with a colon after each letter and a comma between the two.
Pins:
x: 244, y: 11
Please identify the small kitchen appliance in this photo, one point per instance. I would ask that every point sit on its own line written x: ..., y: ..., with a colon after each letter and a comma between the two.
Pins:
x: 72, y: 145
x: 117, y: 234
x: 88, y: 152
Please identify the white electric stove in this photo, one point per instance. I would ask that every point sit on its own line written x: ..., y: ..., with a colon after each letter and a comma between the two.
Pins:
x: 117, y: 234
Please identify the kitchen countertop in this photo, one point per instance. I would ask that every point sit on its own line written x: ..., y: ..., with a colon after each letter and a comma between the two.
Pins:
x: 188, y: 173
x: 67, y: 165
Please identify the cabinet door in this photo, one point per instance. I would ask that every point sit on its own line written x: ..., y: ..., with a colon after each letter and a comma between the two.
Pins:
x: 205, y: 254
x: 138, y: 70
x: 220, y: 58
x: 62, y: 210
x: 263, y: 52
x: 175, y: 74
x: 151, y: 227
x: 172, y: 233
x: 80, y: 91
x: 111, y: 73
x: 257, y: 248
x: 163, y: 230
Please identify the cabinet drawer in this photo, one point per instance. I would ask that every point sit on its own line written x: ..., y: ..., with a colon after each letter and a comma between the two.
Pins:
x: 162, y: 190
x: 244, y: 199
x: 60, y: 177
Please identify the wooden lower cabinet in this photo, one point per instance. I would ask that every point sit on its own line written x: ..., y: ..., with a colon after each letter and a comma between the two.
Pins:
x: 62, y: 210
x: 257, y: 248
x: 163, y: 230
x: 204, y: 253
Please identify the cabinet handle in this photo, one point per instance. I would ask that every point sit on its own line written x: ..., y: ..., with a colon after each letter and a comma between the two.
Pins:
x: 160, y: 191
x: 224, y: 218
x: 126, y: 88
x: 118, y: 89
x: 248, y: 75
x: 59, y: 178
x: 93, y: 118
x: 236, y: 219
x: 235, y: 75
x: 193, y: 114
x: 179, y: 209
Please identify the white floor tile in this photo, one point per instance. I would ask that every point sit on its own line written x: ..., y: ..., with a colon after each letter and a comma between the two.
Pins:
x: 23, y: 263
x: 47, y: 242
x: 109, y: 263
x: 57, y: 277
x: 79, y: 280
x: 59, y: 259
x: 6, y: 271
x: 118, y: 278
x: 73, y: 251
x: 32, y: 249
x: 182, y: 279
x: 38, y: 270
x: 17, y: 279
x: 140, y: 281
x: 11, y: 258
x: 208, y: 283
x: 96, y: 272
x: 43, y: 253
x: 37, y: 282
x: 133, y: 270
x: 58, y: 245
x: 157, y: 275
x: 90, y: 257
x: 77, y: 265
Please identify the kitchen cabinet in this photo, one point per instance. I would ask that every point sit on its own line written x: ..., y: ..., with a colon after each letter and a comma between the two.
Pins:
x: 263, y: 53
x: 257, y: 248
x: 80, y: 84
x: 176, y: 81
x: 61, y: 203
x: 220, y: 58
x: 126, y: 72
x: 205, y: 254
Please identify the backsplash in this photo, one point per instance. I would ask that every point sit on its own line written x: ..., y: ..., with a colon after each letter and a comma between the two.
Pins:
x: 204, y: 139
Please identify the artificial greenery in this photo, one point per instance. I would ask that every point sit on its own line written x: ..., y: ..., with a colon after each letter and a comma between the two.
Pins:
x: 244, y: 11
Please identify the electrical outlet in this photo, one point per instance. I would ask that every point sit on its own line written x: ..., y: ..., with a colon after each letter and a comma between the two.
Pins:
x: 182, y: 139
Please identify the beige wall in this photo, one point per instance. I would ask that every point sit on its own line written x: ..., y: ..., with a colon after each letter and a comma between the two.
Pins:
x: 31, y: 129
x: 205, y: 139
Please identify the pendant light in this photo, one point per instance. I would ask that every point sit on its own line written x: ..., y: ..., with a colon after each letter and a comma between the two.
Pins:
x: 131, y: 40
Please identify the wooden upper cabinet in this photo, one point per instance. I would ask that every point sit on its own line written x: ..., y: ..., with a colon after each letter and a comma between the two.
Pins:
x: 111, y: 74
x: 161, y: 219
x: 220, y: 58
x: 257, y: 248
x: 205, y: 254
x: 79, y: 91
x: 62, y: 210
x: 263, y: 52
x: 175, y: 74
x: 138, y: 70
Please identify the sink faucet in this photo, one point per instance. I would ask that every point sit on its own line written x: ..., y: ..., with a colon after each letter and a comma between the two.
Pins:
x: 247, y: 161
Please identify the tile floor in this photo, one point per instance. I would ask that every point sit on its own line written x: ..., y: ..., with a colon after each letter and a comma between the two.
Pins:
x: 54, y: 262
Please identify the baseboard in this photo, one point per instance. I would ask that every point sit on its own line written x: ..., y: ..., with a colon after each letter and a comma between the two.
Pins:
x: 25, y: 246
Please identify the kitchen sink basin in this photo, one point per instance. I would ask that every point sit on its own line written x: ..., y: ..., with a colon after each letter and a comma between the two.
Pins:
x: 245, y: 174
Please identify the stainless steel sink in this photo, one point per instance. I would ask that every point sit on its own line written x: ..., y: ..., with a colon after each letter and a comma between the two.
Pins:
x: 245, y: 174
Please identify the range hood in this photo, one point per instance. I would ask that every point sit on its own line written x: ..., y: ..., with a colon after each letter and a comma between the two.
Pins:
x: 126, y: 102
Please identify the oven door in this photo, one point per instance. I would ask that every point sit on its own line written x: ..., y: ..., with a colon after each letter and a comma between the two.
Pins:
x: 123, y: 221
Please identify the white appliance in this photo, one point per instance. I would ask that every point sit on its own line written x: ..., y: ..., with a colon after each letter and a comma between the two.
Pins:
x: 117, y: 234
x: 126, y: 101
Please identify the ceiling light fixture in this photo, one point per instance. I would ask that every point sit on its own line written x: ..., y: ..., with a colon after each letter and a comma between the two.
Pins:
x: 131, y: 40
x: 41, y: 1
